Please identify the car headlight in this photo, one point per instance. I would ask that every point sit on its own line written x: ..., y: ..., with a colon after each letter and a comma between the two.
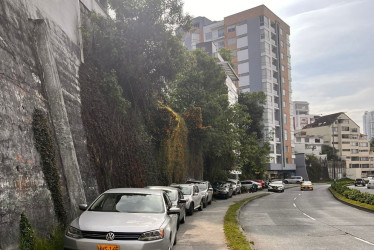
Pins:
x: 152, y: 235
x: 74, y: 232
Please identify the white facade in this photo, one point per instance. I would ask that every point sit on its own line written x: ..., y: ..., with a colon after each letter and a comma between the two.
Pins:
x: 368, y: 124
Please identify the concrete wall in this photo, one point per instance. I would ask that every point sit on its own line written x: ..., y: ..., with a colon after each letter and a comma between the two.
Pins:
x: 23, y: 81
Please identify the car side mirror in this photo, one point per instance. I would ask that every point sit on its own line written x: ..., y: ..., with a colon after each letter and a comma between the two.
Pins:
x: 174, y: 210
x: 210, y: 189
x: 194, y: 194
x: 83, y: 207
x: 182, y: 201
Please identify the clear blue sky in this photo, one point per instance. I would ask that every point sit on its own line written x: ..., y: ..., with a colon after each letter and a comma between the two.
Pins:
x: 332, y: 49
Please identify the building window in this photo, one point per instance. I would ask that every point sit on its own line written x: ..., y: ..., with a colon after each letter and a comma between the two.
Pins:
x: 231, y: 41
x: 208, y: 36
x: 306, y: 139
x: 281, y: 31
x: 231, y: 28
x: 354, y: 129
x: 282, y: 67
x: 345, y: 136
x: 220, y: 44
x: 221, y: 32
x: 298, y: 139
x: 284, y: 104
x: 281, y: 43
x: 196, y: 25
x: 282, y: 56
x: 345, y: 128
x: 317, y: 140
x: 284, y: 118
x: 286, y: 137
x: 283, y: 92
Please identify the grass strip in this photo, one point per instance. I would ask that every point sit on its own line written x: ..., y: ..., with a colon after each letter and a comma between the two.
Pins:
x: 352, y: 202
x: 236, y: 240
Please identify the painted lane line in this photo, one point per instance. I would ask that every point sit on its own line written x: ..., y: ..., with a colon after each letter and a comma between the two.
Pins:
x: 299, y: 194
x: 309, y: 216
x: 294, y: 205
x: 367, y: 242
x: 294, y: 198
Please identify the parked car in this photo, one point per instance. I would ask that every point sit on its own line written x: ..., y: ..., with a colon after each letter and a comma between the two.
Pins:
x: 306, y: 185
x: 360, y: 181
x: 259, y: 186
x: 294, y: 180
x: 237, y: 186
x: 263, y: 184
x: 125, y: 218
x: 206, y: 190
x: 192, y: 195
x: 250, y: 185
x: 223, y: 189
x: 177, y: 199
x: 276, y: 186
x: 370, y: 184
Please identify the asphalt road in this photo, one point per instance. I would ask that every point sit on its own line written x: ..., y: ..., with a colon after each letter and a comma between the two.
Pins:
x: 306, y: 220
x: 362, y: 189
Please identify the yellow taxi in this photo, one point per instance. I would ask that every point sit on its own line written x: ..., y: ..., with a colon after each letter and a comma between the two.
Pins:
x: 306, y: 185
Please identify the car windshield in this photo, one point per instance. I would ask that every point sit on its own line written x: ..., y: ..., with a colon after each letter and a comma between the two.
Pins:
x: 185, y: 190
x: 202, y: 186
x: 307, y: 183
x: 128, y: 203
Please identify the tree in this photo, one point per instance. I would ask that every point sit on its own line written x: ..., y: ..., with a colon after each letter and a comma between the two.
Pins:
x: 202, y: 85
x: 226, y: 55
x: 253, y: 150
x: 329, y: 151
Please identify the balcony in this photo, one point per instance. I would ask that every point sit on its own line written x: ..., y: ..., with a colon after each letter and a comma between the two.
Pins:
x: 273, y: 67
x: 272, y: 30
x: 274, y: 55
x: 276, y: 106
x: 275, y: 80
x: 277, y: 123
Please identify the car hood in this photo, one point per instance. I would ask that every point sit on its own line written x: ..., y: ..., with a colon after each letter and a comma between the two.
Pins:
x: 119, y: 222
x: 276, y: 185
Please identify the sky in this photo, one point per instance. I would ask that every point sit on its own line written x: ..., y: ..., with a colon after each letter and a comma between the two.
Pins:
x: 332, y: 49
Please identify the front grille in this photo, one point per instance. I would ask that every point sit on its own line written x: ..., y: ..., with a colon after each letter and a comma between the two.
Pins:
x: 117, y: 235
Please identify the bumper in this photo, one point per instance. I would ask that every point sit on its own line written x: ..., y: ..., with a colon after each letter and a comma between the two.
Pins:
x: 275, y: 189
x: 83, y: 244
x: 306, y: 188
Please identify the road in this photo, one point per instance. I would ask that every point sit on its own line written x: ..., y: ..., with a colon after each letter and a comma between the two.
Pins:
x: 362, y: 189
x: 306, y: 220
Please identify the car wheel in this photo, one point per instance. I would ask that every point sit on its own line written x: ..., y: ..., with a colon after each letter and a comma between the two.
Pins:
x: 190, y: 210
x: 285, y: 182
x: 184, y: 218
x: 178, y: 223
x: 175, y: 239
x: 205, y: 203
x: 210, y: 202
x: 298, y: 182
x: 201, y: 205
x: 283, y: 191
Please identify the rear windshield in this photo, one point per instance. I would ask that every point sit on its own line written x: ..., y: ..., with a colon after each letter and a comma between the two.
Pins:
x: 128, y: 203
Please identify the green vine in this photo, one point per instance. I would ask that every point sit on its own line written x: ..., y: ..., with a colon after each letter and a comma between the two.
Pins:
x: 27, y: 239
x: 44, y: 143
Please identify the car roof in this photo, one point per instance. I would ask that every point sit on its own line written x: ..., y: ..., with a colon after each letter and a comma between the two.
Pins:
x: 134, y: 191
x: 183, y: 185
x: 163, y: 188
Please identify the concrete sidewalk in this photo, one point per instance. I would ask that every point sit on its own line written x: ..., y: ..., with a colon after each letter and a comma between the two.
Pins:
x: 204, y: 230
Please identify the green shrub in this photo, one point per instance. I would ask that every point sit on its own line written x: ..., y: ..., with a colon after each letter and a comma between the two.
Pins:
x: 355, y: 195
x: 27, y: 238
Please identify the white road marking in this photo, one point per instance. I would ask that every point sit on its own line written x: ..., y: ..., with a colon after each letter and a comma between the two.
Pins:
x: 294, y: 198
x: 309, y: 216
x: 299, y: 194
x: 367, y: 242
x: 294, y: 205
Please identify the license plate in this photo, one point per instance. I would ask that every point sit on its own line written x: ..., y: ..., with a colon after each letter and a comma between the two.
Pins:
x: 107, y: 247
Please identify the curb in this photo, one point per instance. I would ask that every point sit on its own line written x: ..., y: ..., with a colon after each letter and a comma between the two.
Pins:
x: 350, y: 204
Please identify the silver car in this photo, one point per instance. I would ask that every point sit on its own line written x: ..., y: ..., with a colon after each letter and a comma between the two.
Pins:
x: 192, y: 195
x: 206, y: 190
x: 177, y: 198
x: 125, y: 218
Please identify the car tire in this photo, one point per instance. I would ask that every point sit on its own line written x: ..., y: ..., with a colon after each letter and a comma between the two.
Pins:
x: 191, y: 209
x: 201, y: 205
x: 283, y: 191
x: 210, y: 202
x: 285, y: 182
x: 205, y: 203
x: 178, y: 223
x: 175, y: 240
x: 184, y: 218
x: 298, y: 182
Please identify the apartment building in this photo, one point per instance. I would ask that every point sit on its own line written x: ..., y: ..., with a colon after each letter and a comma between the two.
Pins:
x: 343, y: 134
x: 368, y: 124
x: 308, y: 144
x: 259, y: 41
x: 301, y: 116
x: 231, y: 77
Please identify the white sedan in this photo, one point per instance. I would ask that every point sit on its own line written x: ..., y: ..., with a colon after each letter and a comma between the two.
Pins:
x: 276, y: 186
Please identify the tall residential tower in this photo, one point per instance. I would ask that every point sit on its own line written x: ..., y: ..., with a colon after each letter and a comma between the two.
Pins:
x: 259, y: 41
x: 368, y: 122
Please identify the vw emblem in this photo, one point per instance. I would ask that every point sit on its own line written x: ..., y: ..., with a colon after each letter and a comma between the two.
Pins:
x: 110, y: 236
